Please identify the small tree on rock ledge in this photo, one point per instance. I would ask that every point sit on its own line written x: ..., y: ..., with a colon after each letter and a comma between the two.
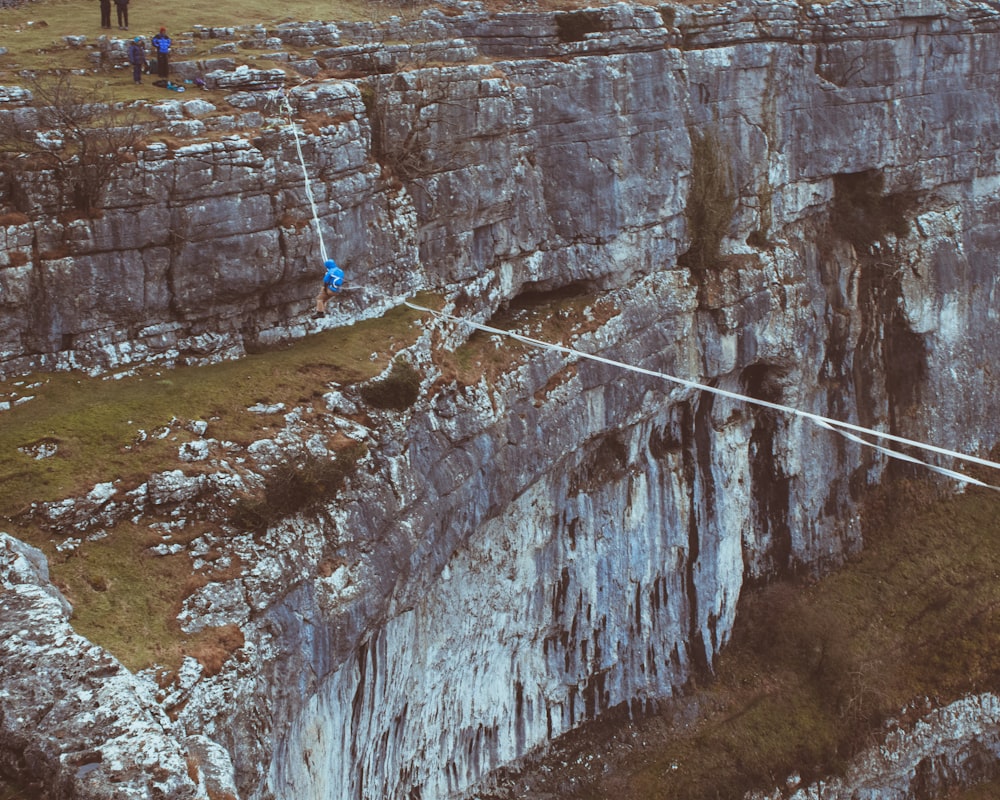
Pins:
x: 80, y: 134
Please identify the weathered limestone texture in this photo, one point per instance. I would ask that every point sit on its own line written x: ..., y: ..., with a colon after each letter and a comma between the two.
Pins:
x: 792, y: 201
x: 75, y: 718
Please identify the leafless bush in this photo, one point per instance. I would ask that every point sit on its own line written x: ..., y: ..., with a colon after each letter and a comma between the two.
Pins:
x: 397, y: 391
x: 711, y: 201
x: 80, y: 134
x: 414, y: 138
x: 293, y: 487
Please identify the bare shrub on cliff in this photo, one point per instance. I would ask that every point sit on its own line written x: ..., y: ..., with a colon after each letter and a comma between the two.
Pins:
x: 864, y: 215
x: 397, y: 391
x: 711, y: 201
x: 414, y: 138
x: 80, y: 134
x: 292, y: 487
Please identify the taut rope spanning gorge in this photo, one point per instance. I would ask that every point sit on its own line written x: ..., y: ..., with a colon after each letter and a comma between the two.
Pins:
x: 837, y: 426
x: 793, y: 203
x: 843, y: 428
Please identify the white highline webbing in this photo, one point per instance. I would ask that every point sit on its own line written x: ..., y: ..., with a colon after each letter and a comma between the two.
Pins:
x: 305, y: 175
x: 845, y: 429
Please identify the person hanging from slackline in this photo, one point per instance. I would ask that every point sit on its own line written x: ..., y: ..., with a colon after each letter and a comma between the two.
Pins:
x: 332, y: 281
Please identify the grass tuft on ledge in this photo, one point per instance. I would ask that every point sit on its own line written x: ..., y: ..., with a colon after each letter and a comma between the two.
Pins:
x: 95, y: 423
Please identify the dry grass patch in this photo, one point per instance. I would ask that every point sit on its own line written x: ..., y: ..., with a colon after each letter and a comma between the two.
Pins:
x: 213, y: 649
x: 555, y: 317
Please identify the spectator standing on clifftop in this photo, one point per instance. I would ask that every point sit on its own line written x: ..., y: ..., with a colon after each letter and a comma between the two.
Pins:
x: 121, y: 6
x: 106, y: 13
x: 161, y: 42
x: 137, y: 58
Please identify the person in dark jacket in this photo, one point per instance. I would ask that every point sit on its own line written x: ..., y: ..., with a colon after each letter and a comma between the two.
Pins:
x: 121, y: 6
x: 105, y: 13
x: 137, y: 58
x: 161, y: 43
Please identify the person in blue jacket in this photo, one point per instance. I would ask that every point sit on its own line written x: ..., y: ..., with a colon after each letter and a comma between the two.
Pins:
x: 332, y: 281
x: 161, y: 44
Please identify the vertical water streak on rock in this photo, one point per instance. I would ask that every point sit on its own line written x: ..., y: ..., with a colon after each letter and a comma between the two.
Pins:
x: 702, y: 488
x: 769, y: 486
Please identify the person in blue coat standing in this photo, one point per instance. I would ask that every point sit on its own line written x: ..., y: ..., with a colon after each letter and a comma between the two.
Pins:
x: 332, y: 281
x: 161, y: 43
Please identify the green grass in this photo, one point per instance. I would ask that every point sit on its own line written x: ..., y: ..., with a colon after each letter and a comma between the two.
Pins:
x: 34, y: 34
x: 124, y: 598
x: 95, y: 422
x: 34, y: 29
x: 127, y: 599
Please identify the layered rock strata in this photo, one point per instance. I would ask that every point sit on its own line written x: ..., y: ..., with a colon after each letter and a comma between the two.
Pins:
x: 794, y: 202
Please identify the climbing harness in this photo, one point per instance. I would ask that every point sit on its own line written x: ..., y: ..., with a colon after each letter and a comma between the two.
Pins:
x: 845, y: 429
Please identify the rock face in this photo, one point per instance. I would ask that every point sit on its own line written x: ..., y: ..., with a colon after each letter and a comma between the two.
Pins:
x: 958, y: 745
x: 794, y: 202
x: 59, y: 690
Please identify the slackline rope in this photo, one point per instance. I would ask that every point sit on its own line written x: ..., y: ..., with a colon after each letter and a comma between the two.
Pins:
x: 287, y: 108
x: 845, y: 429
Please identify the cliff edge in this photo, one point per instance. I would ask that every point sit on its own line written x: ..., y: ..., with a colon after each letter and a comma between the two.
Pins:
x: 794, y: 202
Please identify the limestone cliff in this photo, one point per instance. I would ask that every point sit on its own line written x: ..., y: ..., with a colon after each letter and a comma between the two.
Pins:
x: 793, y: 201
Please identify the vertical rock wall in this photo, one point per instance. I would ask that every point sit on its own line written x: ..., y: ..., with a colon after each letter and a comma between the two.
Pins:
x: 525, y: 553
x: 845, y: 287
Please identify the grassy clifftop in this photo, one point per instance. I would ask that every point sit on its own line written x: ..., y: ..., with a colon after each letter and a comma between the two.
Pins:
x: 94, y: 423
x: 65, y: 433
